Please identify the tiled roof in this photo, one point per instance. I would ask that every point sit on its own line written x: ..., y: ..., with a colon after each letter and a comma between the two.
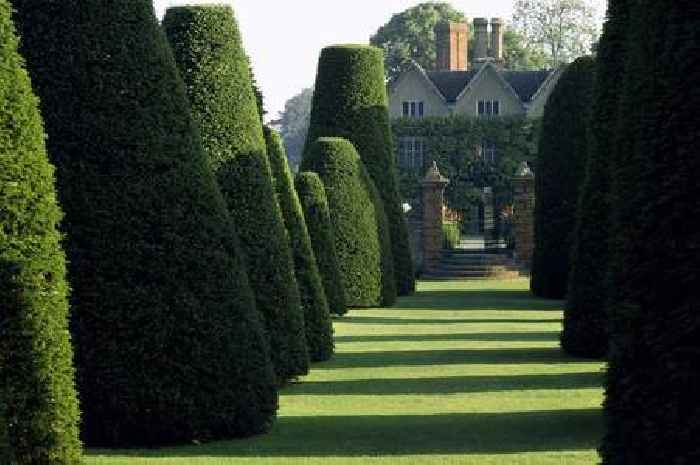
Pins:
x: 452, y: 83
x: 526, y: 83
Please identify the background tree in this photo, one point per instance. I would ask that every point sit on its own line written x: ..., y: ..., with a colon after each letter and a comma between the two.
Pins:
x: 353, y: 217
x: 39, y: 412
x: 651, y: 406
x: 560, y: 169
x: 350, y: 101
x: 519, y: 54
x: 210, y: 55
x: 169, y: 347
x: 312, y: 196
x: 563, y: 29
x: 585, y: 323
x: 410, y: 35
x: 318, y: 328
x: 294, y: 125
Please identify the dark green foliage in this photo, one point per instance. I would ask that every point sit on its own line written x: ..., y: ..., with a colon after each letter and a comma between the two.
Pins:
x: 350, y: 101
x: 585, y: 323
x: 353, y: 216
x: 312, y: 196
x: 651, y: 404
x: 39, y: 412
x: 259, y: 97
x: 319, y: 330
x: 452, y: 142
x: 169, y: 347
x: 410, y: 35
x: 209, y: 53
x: 560, y: 170
x: 384, y: 232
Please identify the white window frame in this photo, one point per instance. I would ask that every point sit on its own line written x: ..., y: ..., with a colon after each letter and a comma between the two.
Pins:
x: 414, y: 108
x: 490, y: 104
x: 488, y: 151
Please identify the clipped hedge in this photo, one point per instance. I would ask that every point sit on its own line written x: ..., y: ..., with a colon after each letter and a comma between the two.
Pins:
x: 560, y: 169
x: 213, y: 64
x: 39, y: 412
x: 389, y: 291
x: 319, y: 330
x: 353, y: 216
x: 170, y: 348
x: 651, y: 401
x: 585, y: 323
x: 312, y: 196
x: 350, y: 101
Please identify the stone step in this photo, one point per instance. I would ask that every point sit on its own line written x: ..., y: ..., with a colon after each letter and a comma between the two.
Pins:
x: 477, y: 259
x: 509, y: 274
x: 480, y: 268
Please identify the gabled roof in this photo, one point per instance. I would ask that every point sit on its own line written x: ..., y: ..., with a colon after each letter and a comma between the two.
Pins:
x: 451, y: 83
x: 526, y: 83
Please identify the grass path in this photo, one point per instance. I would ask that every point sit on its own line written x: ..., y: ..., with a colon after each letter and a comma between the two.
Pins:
x: 460, y: 373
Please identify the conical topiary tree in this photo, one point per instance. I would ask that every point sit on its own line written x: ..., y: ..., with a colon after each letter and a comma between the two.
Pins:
x: 651, y: 406
x: 560, y: 171
x: 350, y: 101
x: 39, y: 413
x: 353, y: 216
x: 312, y: 196
x: 212, y: 61
x: 585, y: 322
x: 387, y: 263
x: 169, y: 345
x: 319, y: 330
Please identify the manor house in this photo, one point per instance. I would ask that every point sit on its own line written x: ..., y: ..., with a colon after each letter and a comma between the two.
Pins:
x: 482, y: 88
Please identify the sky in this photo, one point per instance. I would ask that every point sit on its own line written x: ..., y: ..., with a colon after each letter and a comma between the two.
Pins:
x: 284, y: 38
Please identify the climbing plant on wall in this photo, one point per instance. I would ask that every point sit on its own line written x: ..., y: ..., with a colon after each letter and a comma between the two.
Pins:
x: 455, y: 143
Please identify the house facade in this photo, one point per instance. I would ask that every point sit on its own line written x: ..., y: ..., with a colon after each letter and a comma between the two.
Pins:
x: 477, y: 93
x: 482, y: 88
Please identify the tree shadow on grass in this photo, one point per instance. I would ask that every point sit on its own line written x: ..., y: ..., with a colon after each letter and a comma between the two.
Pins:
x: 448, y: 357
x: 544, y: 336
x: 449, y: 385
x: 478, y: 300
x: 371, y: 320
x: 463, y: 433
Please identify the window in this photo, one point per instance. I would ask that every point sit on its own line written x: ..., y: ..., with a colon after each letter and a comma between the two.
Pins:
x: 488, y: 108
x: 487, y: 151
x: 413, y: 109
x: 411, y: 151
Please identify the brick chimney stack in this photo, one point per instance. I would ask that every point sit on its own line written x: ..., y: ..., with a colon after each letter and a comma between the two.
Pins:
x: 452, y: 41
x: 497, y: 40
x: 481, y: 44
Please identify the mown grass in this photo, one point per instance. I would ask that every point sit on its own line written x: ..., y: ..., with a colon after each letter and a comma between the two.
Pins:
x: 461, y: 373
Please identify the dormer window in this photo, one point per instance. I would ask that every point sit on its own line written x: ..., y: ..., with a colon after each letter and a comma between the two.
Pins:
x: 413, y: 109
x: 488, y: 108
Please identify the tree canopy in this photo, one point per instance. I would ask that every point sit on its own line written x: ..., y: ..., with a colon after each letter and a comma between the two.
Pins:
x: 410, y: 35
x: 213, y: 63
x: 169, y: 346
x: 563, y: 29
x: 560, y: 169
x: 294, y: 125
x: 39, y: 412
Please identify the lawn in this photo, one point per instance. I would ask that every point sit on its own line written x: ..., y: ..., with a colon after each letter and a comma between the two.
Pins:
x: 460, y: 373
